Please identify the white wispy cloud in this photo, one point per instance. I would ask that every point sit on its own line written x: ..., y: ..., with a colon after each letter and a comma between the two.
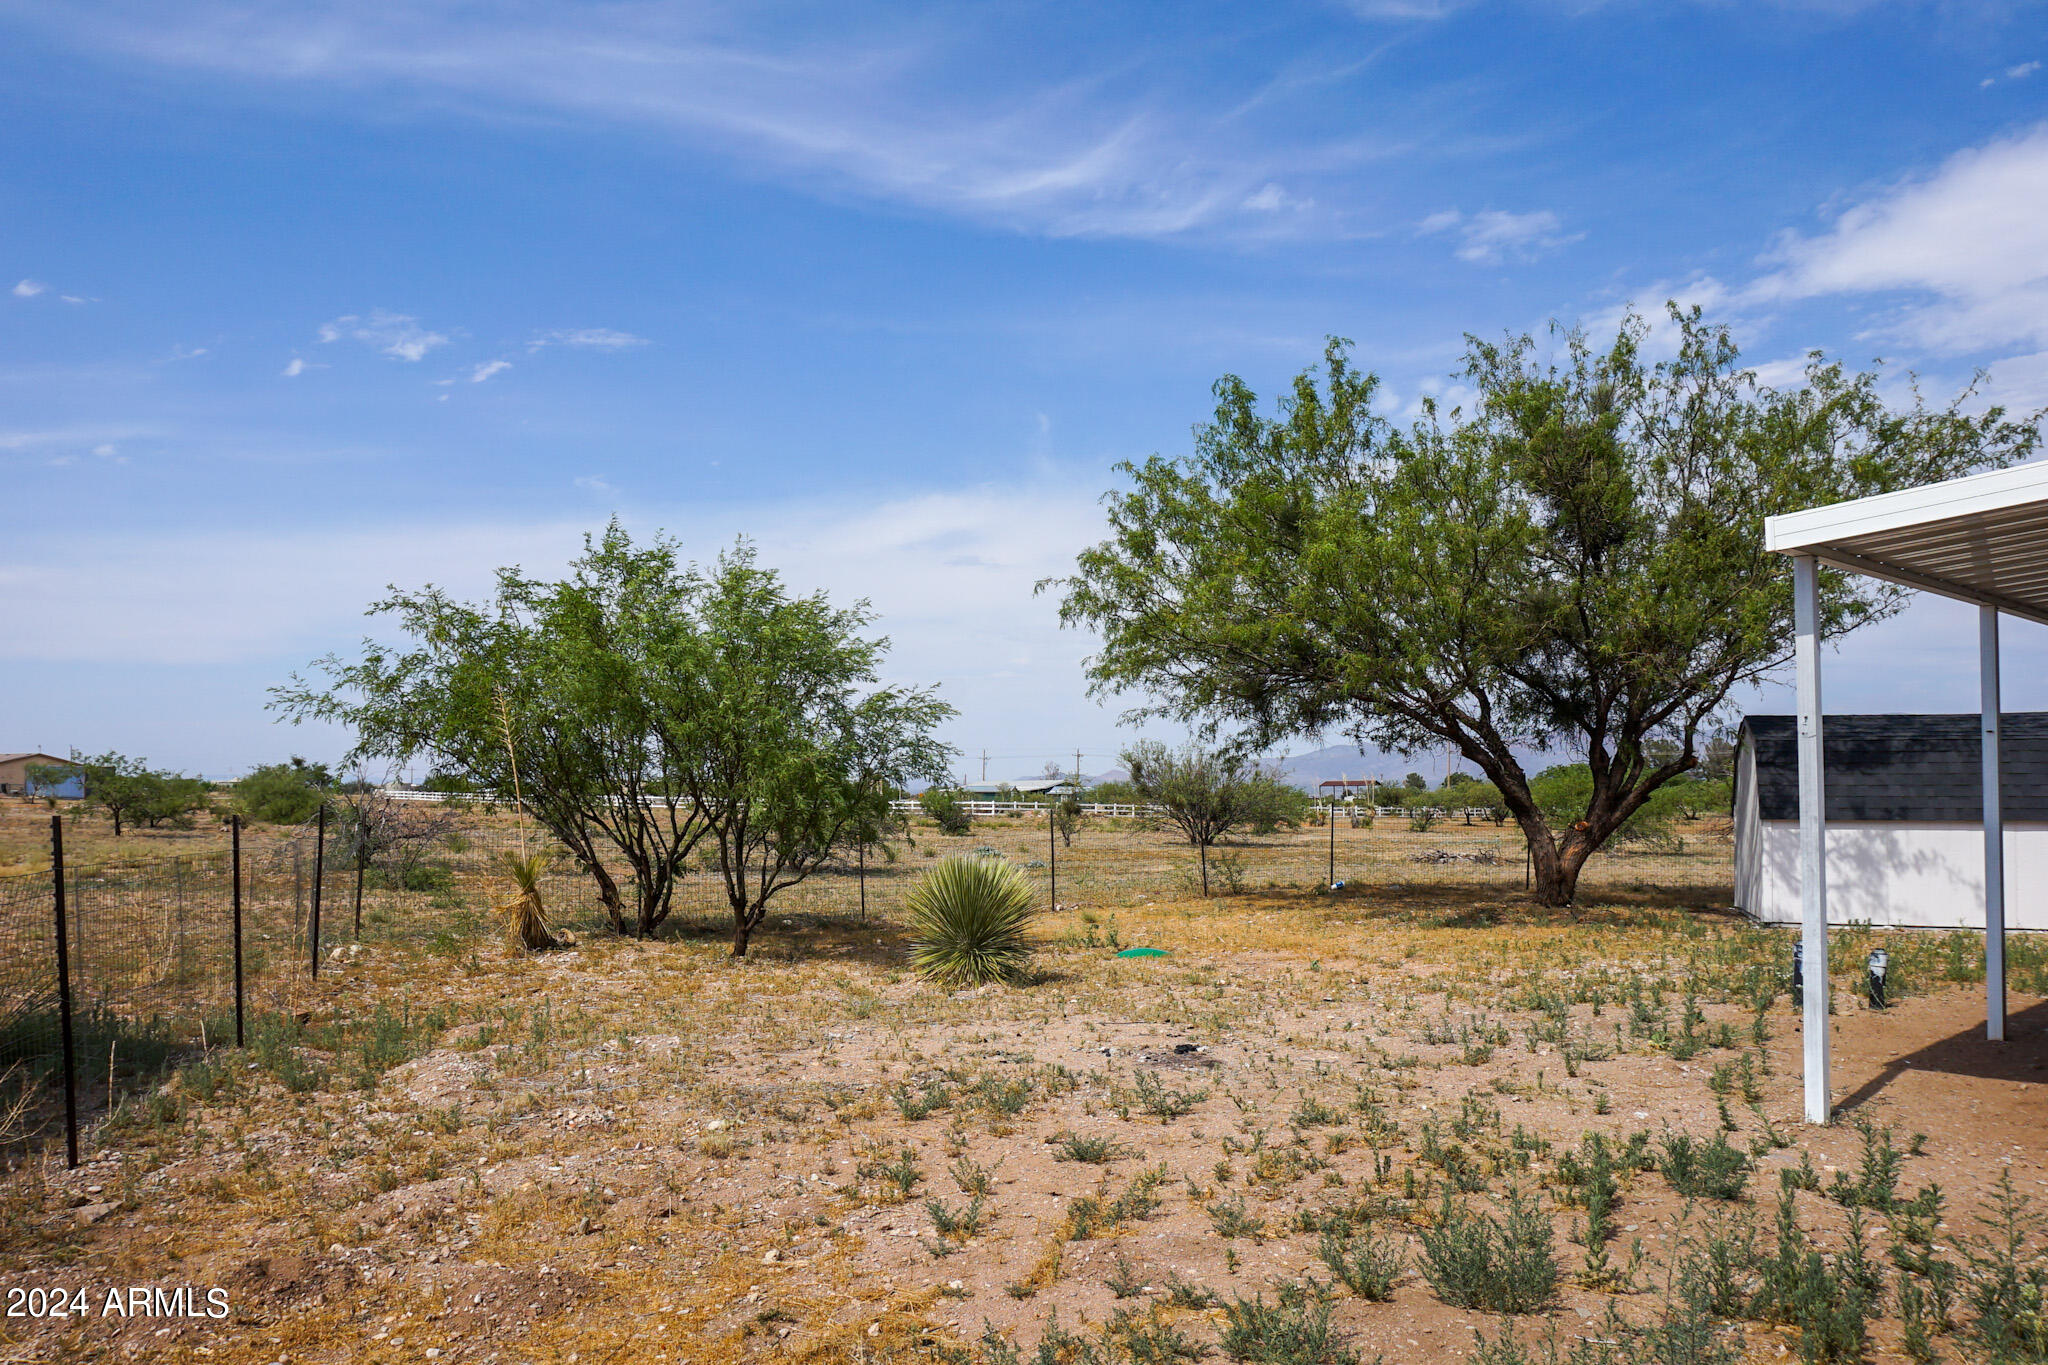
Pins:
x: 1957, y: 259
x: 594, y: 483
x: 28, y: 289
x: 296, y: 368
x: 590, y: 338
x: 1404, y: 9
x: 934, y: 113
x: 2011, y: 73
x: 479, y: 373
x: 97, y: 440
x: 398, y: 335
x: 931, y: 565
x: 1492, y: 236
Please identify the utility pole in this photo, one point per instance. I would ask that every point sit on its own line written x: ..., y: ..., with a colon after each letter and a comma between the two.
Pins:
x: 984, y: 765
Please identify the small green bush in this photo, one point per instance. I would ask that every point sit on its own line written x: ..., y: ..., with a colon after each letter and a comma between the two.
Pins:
x: 945, y: 809
x: 1368, y: 1262
x: 1294, y: 1331
x: 1501, y: 1265
x: 1704, y: 1170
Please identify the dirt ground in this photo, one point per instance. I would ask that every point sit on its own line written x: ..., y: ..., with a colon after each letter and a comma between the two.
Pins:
x: 627, y: 1151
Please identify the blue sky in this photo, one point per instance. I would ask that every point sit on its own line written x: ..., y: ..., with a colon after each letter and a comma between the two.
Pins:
x: 300, y: 299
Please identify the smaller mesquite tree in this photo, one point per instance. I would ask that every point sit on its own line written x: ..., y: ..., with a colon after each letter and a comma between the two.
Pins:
x: 652, y: 707
x: 555, y: 667
x: 1206, y: 793
x: 763, y: 707
x: 1573, y: 562
x: 129, y: 790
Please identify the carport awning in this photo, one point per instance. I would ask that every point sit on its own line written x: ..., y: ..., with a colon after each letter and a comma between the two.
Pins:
x: 1980, y: 539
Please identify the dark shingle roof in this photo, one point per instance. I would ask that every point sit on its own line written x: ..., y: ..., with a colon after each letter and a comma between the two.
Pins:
x: 1905, y: 767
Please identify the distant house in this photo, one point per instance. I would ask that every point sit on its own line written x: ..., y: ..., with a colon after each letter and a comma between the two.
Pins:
x: 14, y: 778
x: 1905, y: 819
x: 1023, y: 786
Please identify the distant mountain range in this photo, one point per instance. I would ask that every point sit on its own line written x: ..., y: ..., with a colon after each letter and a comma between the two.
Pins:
x: 1346, y: 760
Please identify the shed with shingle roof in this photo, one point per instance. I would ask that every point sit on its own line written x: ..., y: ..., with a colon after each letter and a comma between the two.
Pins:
x: 1905, y: 819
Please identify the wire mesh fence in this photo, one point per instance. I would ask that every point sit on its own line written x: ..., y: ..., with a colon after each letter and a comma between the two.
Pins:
x: 167, y: 957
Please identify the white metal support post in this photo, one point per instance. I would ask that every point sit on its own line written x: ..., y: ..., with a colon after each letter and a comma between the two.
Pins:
x: 1813, y: 836
x: 1994, y: 832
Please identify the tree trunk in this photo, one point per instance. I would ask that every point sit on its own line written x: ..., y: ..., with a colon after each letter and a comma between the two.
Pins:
x: 1205, y: 870
x: 1557, y: 864
x: 608, y: 893
x: 741, y: 932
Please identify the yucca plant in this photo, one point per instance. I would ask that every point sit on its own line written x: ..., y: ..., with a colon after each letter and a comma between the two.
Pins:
x: 524, y: 916
x: 970, y: 921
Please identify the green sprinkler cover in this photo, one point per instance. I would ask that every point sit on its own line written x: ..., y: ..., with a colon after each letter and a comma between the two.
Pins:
x: 1143, y: 952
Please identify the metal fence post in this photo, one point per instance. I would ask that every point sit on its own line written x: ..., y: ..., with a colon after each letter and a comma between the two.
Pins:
x: 235, y: 832
x: 319, y: 863
x: 360, y: 850
x: 863, y: 884
x: 1052, y: 849
x: 64, y: 994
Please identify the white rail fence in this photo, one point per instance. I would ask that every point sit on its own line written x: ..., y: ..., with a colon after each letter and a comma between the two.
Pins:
x: 1121, y: 810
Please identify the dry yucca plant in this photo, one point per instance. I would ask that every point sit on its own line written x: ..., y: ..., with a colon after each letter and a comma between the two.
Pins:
x: 525, y: 917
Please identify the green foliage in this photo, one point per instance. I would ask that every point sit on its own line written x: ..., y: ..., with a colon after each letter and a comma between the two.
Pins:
x: 1163, y: 1101
x: 1575, y: 557
x: 1295, y: 1330
x: 1876, y: 1183
x: 1704, y: 1170
x: 1091, y: 1147
x: 641, y: 706
x: 1505, y: 1265
x: 1207, y: 793
x: 129, y: 790
x: 1231, y: 1218
x: 1830, y: 1300
x: 970, y: 921
x: 2008, y: 1283
x: 288, y: 793
x: 1367, y: 1261
x: 946, y: 809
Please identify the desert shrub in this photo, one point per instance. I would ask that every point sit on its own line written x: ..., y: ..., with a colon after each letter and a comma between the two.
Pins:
x: 1876, y: 1183
x: 429, y: 877
x: 1294, y: 1331
x: 283, y: 793
x: 1164, y: 1101
x: 1503, y: 1265
x: 2008, y: 1283
x: 946, y: 810
x: 970, y: 921
x: 1368, y: 1262
x: 1830, y: 1302
x: 1704, y: 1170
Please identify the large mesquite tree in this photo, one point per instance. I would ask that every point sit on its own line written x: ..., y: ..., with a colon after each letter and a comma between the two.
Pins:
x: 1573, y: 562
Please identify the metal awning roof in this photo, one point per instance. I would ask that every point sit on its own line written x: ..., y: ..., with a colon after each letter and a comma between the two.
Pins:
x: 1981, y: 539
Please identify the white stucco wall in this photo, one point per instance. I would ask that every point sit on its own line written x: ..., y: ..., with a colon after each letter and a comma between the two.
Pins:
x: 1903, y: 875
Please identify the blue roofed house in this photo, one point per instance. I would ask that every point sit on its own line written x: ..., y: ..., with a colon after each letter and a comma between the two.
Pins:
x: 16, y: 781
